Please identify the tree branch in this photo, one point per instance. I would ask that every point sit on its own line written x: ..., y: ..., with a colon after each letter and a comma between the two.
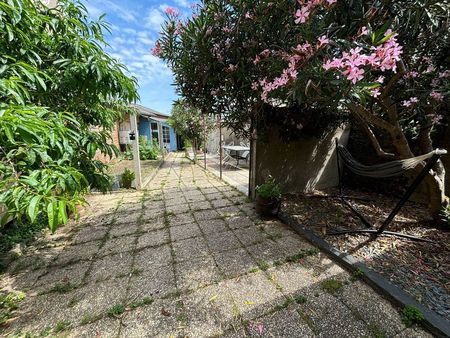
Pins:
x: 364, y: 114
x: 372, y: 137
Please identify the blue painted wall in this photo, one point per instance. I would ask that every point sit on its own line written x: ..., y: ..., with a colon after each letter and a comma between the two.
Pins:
x: 145, y: 130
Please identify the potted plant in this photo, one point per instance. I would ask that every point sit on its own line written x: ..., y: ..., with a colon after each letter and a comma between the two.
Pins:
x: 127, y: 178
x: 268, y: 197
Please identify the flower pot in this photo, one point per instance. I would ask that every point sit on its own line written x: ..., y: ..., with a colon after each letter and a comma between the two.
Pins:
x: 267, y: 206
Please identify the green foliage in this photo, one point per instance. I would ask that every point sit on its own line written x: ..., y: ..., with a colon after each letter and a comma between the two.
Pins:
x: 127, y: 178
x: 331, y: 285
x: 190, y: 123
x: 9, y: 302
x: 410, y: 315
x: 269, y: 189
x: 19, y: 233
x: 60, y: 94
x: 116, y: 310
x: 128, y: 153
x: 147, y: 150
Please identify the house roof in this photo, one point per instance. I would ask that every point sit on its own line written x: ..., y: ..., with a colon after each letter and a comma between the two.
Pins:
x: 148, y: 112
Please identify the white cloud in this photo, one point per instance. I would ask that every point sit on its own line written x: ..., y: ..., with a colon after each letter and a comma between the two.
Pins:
x: 183, y: 3
x: 93, y: 11
x: 109, y: 6
x: 154, y: 19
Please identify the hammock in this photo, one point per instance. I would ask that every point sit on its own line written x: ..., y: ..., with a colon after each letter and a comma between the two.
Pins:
x: 388, y: 169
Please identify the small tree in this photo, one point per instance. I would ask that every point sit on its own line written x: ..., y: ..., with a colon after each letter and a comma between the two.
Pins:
x: 384, y: 63
x: 57, y: 86
x: 190, y: 123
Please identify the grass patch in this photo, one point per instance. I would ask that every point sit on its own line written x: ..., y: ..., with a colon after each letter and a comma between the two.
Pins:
x: 284, y: 305
x: 299, y: 299
x: 302, y: 254
x: 61, y: 326
x: 142, y: 302
x: 9, y: 302
x: 357, y: 275
x: 376, y: 332
x: 263, y: 265
x: 89, y: 318
x: 253, y: 270
x: 331, y: 285
x: 63, y: 287
x: 116, y: 310
x: 410, y: 315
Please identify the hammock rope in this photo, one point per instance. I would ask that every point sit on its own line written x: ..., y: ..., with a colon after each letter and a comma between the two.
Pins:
x: 388, y: 169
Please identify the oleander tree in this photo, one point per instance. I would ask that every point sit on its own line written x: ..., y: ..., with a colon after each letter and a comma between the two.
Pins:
x: 60, y: 95
x: 385, y: 64
x: 190, y: 123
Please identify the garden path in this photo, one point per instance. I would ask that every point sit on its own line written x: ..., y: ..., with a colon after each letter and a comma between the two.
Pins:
x: 188, y: 257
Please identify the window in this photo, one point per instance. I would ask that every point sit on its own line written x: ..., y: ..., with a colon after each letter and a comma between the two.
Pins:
x: 166, y: 134
x: 155, y: 132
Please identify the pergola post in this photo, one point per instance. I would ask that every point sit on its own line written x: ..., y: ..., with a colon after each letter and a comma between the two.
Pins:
x: 220, y: 145
x: 136, y: 157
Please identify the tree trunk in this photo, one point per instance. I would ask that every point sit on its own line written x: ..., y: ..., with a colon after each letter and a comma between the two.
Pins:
x: 194, y: 148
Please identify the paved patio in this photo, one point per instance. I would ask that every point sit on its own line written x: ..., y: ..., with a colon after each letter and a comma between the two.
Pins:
x: 189, y: 257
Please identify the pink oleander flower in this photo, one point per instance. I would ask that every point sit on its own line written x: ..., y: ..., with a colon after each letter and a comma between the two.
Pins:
x: 435, y: 119
x: 156, y: 51
x: 323, y: 40
x: 302, y: 15
x: 375, y: 92
x: 171, y: 11
x: 380, y: 79
x: 249, y: 16
x: 331, y: 2
x: 226, y: 29
x: 445, y: 74
x: 364, y: 31
x: 354, y: 74
x: 411, y: 74
x: 437, y: 96
x: 255, y: 85
x: 231, y: 68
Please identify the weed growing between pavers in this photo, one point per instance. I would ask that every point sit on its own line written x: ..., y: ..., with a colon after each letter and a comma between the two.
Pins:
x: 64, y: 287
x: 284, y: 305
x: 263, y: 265
x: 357, y: 275
x: 89, y: 318
x: 144, y: 301
x: 411, y: 315
x: 376, y: 332
x: 116, y: 310
x: 9, y: 302
x: 299, y: 299
x: 331, y: 285
x: 61, y: 326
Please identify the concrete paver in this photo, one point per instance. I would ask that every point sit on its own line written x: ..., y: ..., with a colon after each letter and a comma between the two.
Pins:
x: 188, y: 257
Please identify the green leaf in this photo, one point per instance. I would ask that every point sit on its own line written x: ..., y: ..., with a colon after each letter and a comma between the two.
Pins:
x: 51, y: 215
x: 62, y: 214
x: 33, y: 208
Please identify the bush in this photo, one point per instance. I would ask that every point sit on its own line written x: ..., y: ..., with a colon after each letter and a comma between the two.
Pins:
x: 269, y: 188
x: 127, y: 178
x: 147, y: 150
x: 410, y: 315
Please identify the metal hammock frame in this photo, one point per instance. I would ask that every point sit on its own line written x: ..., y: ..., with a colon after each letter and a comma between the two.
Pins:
x: 386, y: 170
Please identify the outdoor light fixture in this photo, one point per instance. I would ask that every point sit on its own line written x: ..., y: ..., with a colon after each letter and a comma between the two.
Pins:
x: 132, y: 135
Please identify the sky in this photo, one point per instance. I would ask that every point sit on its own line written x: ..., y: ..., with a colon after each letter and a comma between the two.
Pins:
x: 135, y: 28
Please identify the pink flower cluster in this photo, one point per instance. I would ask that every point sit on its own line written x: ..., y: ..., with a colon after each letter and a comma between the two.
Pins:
x: 264, y: 54
x: 409, y: 103
x: 301, y: 53
x: 156, y: 51
x: 383, y: 57
x: 171, y: 11
x: 307, y: 6
x: 437, y: 96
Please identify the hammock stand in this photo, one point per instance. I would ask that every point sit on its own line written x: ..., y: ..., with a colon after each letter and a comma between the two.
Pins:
x: 389, y: 169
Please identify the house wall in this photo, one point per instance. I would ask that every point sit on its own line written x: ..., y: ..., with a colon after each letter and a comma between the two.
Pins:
x: 145, y: 130
x: 299, y: 166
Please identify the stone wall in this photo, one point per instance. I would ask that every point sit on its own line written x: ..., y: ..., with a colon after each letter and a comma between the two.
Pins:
x: 300, y: 166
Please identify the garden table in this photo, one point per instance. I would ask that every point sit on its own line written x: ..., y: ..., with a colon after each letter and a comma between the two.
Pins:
x: 237, y: 150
